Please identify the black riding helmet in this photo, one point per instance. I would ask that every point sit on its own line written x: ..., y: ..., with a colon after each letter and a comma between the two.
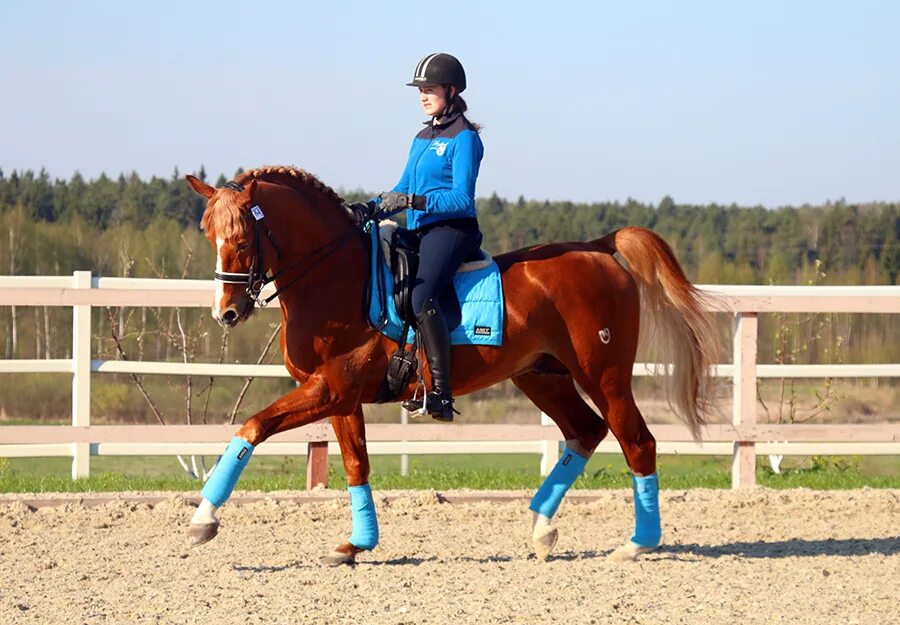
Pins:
x: 439, y: 69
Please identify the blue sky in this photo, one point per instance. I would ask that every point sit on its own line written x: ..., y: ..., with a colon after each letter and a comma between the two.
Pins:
x: 765, y: 102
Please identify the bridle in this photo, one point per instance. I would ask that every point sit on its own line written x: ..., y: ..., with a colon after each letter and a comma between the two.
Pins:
x: 256, y: 279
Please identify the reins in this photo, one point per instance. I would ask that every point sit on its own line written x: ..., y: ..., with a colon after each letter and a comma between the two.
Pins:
x: 318, y: 254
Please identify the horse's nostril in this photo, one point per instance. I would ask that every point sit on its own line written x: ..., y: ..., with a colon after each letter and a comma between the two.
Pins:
x: 230, y: 317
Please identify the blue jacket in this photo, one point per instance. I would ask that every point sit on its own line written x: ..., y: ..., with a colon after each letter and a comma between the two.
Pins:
x: 442, y: 165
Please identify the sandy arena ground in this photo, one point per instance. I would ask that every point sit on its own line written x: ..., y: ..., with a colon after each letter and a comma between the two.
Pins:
x: 730, y: 557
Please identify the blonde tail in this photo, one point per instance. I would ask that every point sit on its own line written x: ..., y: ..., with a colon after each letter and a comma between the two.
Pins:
x: 684, y: 331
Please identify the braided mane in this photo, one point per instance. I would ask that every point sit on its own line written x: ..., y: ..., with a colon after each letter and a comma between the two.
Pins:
x: 225, y: 216
x: 298, y: 179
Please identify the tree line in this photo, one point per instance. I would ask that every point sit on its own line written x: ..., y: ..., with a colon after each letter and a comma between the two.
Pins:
x: 855, y: 243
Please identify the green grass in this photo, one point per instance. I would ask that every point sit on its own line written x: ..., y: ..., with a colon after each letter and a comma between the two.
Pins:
x: 483, y: 472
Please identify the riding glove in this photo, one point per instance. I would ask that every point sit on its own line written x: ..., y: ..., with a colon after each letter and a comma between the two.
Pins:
x: 393, y: 200
x: 362, y: 212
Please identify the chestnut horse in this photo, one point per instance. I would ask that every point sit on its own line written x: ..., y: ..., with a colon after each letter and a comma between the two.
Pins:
x: 572, y: 318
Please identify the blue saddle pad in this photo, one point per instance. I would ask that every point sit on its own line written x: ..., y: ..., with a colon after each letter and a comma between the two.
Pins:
x: 480, y: 295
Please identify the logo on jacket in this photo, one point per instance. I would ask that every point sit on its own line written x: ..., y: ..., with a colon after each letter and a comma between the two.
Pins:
x: 439, y: 147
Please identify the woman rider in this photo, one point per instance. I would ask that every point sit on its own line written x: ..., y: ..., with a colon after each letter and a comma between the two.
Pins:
x: 438, y: 190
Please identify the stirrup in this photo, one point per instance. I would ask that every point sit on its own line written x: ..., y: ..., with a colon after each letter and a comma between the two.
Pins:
x: 416, y: 404
x: 428, y: 405
x: 416, y: 407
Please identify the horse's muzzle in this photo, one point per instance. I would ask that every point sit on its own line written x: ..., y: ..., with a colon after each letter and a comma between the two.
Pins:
x: 230, y: 318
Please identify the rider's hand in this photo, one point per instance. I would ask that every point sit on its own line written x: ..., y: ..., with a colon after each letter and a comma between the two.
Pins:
x: 362, y: 212
x: 393, y: 200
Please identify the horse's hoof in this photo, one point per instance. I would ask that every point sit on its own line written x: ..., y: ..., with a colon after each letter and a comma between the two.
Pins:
x: 336, y: 558
x: 345, y: 553
x: 628, y: 552
x: 203, y: 532
x: 545, y: 543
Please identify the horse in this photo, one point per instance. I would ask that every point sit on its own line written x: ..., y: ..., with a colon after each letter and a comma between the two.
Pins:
x: 572, y: 319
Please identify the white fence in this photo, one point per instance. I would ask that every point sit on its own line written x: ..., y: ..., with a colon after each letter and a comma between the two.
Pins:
x: 743, y: 439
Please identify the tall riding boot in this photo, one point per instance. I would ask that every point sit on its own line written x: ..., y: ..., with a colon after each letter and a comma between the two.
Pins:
x: 436, y: 339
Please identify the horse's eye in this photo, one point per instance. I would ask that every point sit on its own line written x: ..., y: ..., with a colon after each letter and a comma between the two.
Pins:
x: 241, y: 247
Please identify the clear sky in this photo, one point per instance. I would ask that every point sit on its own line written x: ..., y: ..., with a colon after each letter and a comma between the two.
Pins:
x: 769, y: 102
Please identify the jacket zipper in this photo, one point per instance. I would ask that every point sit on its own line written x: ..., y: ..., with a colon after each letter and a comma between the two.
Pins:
x: 416, y: 167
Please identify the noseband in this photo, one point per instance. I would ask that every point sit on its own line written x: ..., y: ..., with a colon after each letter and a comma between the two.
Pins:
x: 256, y: 279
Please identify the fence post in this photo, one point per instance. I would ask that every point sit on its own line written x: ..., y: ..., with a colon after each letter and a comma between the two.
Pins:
x: 316, y: 464
x: 549, y: 449
x: 743, y: 465
x: 404, y: 458
x: 81, y: 375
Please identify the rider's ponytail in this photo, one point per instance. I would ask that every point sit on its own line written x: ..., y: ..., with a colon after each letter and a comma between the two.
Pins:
x: 458, y: 104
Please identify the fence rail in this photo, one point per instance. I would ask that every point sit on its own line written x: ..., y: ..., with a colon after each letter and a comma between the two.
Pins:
x: 743, y: 439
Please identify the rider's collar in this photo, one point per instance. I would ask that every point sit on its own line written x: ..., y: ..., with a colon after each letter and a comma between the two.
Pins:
x: 442, y: 122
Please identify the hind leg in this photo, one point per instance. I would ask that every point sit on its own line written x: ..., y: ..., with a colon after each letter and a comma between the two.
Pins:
x: 583, y: 429
x: 614, y: 398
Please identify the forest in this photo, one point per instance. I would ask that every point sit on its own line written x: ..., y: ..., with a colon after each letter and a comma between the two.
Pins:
x: 46, y: 221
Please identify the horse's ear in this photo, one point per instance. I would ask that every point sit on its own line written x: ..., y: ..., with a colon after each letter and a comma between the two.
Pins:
x: 251, y: 189
x: 200, y: 187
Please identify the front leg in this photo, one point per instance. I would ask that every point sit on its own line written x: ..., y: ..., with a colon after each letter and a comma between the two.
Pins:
x: 351, y: 434
x: 320, y: 396
x: 316, y: 398
x: 546, y: 500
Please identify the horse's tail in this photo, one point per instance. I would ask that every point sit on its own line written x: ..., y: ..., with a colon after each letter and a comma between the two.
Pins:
x: 684, y: 332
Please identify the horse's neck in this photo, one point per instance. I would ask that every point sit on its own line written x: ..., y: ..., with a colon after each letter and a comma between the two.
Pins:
x: 323, y: 318
x: 326, y: 285
x: 321, y: 303
x: 322, y: 312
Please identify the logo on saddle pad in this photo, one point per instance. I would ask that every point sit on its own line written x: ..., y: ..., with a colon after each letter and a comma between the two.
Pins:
x: 482, y: 331
x: 439, y: 147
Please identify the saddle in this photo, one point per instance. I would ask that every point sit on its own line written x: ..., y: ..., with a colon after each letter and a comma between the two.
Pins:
x: 401, y: 250
x: 401, y: 253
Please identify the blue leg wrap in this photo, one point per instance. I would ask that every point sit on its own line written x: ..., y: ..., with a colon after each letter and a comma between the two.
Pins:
x: 647, y: 525
x: 220, y: 484
x: 546, y: 501
x: 362, y: 512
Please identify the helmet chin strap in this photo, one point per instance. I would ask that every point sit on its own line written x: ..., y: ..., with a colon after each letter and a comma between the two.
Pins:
x: 449, y: 100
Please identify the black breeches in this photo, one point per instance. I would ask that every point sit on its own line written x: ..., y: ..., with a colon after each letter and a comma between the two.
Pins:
x: 442, y: 250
